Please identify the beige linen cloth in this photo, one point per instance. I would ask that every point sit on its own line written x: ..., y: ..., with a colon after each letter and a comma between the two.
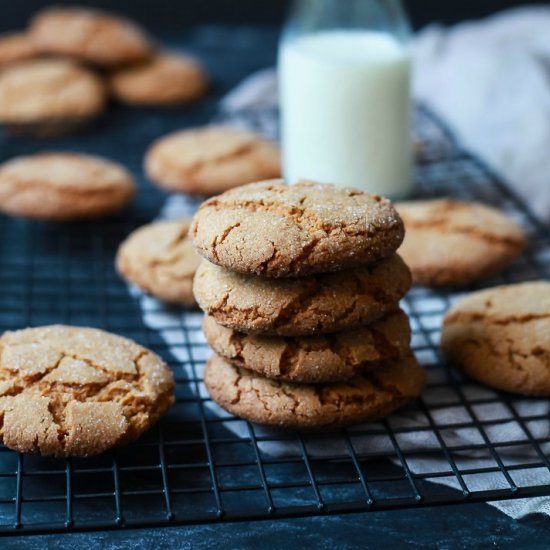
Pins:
x: 490, y: 81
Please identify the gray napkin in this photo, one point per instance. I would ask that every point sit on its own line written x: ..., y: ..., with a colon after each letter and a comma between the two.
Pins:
x: 490, y: 80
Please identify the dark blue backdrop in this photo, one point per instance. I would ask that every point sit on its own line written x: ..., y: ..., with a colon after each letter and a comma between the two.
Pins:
x: 168, y: 13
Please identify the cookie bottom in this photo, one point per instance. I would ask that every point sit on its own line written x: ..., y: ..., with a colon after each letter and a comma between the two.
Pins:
x: 362, y: 398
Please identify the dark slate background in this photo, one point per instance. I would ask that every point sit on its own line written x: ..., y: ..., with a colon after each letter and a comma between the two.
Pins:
x: 160, y: 13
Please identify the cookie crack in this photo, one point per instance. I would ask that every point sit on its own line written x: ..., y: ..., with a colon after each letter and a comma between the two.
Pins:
x: 306, y: 251
x: 25, y: 185
x: 266, y: 206
x: 158, y: 264
x: 219, y: 239
x: 236, y: 341
x: 117, y: 375
x: 305, y: 217
x: 289, y: 360
x: 291, y: 396
x: 22, y: 384
x: 465, y: 317
x: 302, y: 301
x: 515, y: 364
x: 237, y: 384
x: 327, y: 396
x: 236, y: 152
x: 171, y: 248
x: 58, y: 418
x: 447, y: 225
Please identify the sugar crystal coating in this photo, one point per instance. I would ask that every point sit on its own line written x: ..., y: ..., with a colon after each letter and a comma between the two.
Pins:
x: 275, y: 230
x: 68, y: 391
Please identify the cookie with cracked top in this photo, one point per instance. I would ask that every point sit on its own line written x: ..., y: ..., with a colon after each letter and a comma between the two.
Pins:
x: 160, y: 259
x: 314, y: 359
x: 166, y: 79
x: 49, y: 96
x: 316, y: 304
x: 210, y: 160
x: 449, y: 242
x: 279, y: 230
x: 74, y: 391
x: 499, y: 337
x: 273, y: 402
x: 64, y: 186
x: 93, y: 36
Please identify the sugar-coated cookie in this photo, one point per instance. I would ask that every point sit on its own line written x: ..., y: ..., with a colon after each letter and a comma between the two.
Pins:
x: 501, y: 337
x: 307, y: 305
x: 49, y: 92
x: 449, y: 242
x: 63, y: 186
x: 210, y: 160
x: 68, y: 391
x: 160, y: 259
x: 314, y: 359
x: 277, y: 230
x: 93, y: 36
x: 165, y: 79
x: 273, y: 402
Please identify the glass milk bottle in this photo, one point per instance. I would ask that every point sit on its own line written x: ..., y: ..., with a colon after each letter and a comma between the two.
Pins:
x: 344, y: 72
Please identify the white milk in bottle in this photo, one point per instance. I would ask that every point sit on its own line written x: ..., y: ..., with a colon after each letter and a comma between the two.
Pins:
x: 345, y: 109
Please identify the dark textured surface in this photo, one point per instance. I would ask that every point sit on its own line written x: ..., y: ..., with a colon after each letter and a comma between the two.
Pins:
x: 449, y: 528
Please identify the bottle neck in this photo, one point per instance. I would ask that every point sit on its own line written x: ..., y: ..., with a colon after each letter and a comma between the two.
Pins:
x: 308, y: 16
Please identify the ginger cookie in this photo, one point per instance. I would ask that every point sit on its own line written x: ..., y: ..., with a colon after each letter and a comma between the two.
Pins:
x: 165, y: 79
x: 160, y: 259
x: 273, y: 402
x: 210, y: 160
x: 63, y: 186
x: 500, y: 337
x: 450, y: 242
x: 14, y: 47
x: 314, y: 359
x: 276, y: 230
x: 70, y: 391
x: 93, y: 36
x: 316, y: 304
x: 49, y: 93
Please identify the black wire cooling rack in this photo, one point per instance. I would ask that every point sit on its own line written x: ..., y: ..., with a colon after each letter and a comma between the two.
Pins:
x: 459, y: 443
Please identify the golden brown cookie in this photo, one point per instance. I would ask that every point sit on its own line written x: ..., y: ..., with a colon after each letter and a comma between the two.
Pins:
x: 15, y: 46
x: 63, y: 186
x: 165, y: 79
x: 68, y: 391
x: 314, y: 359
x: 277, y: 230
x: 93, y: 36
x: 210, y: 160
x: 363, y: 398
x: 53, y: 92
x: 316, y: 304
x: 501, y: 337
x: 160, y: 259
x: 449, y: 242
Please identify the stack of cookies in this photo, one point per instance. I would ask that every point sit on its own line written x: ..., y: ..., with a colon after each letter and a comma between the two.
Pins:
x: 301, y: 287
